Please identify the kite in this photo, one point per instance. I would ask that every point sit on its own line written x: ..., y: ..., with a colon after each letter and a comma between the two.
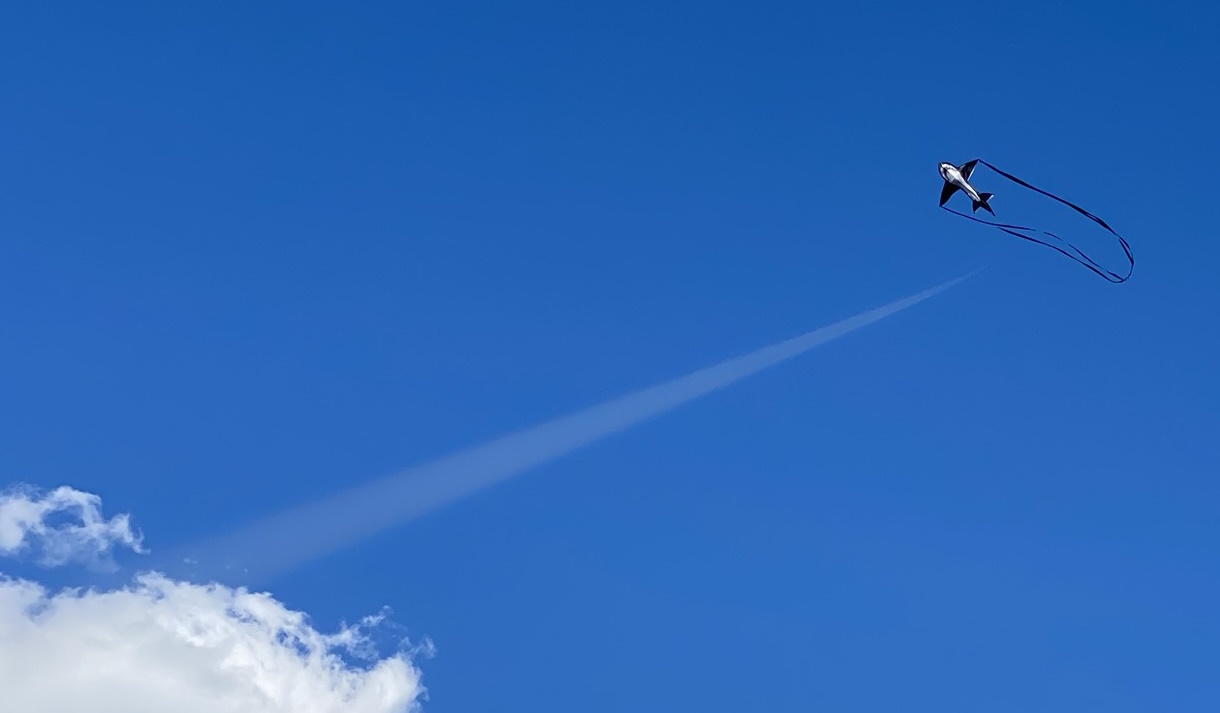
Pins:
x: 958, y: 178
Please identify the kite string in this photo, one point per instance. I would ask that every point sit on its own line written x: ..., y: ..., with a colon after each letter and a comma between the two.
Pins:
x: 1080, y: 256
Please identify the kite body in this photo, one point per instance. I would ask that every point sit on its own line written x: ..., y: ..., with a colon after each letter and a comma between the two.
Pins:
x: 958, y: 177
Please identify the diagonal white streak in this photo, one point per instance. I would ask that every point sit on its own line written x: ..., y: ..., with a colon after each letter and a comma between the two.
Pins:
x: 288, y: 539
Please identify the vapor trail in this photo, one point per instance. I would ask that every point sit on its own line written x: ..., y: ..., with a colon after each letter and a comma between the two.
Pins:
x: 280, y: 542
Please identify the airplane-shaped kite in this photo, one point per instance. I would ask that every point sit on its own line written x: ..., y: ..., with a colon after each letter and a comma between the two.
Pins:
x: 959, y: 177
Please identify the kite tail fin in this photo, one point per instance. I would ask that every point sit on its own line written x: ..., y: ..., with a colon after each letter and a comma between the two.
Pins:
x: 983, y: 198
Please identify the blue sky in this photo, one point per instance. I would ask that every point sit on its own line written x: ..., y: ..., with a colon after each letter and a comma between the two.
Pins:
x: 255, y: 254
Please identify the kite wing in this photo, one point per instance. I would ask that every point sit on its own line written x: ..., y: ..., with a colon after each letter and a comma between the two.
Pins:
x: 967, y: 168
x: 946, y: 192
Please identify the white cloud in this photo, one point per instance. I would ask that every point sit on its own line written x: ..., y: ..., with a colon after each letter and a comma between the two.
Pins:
x: 27, y: 521
x: 161, y: 644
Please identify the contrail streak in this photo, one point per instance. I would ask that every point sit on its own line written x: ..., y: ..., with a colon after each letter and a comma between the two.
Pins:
x: 288, y: 539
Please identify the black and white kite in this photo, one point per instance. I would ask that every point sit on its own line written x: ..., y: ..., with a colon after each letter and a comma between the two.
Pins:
x: 958, y: 178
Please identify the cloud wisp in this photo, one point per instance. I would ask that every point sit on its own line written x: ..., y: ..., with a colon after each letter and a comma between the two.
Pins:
x: 288, y: 539
x: 62, y: 526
